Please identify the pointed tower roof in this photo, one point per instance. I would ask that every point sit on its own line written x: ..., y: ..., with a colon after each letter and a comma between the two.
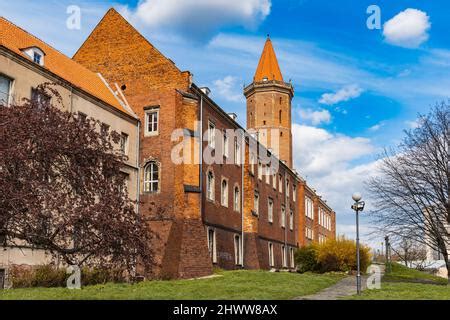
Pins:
x: 268, y: 64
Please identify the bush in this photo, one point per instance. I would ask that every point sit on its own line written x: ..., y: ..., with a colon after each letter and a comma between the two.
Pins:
x: 306, y: 259
x: 48, y: 276
x: 333, y: 255
x: 340, y: 255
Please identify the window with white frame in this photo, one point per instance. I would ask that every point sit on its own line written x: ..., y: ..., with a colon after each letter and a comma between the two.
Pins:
x: 280, y: 183
x: 283, y: 217
x: 309, y: 233
x: 309, y: 208
x: 256, y: 203
x: 274, y: 181
x: 270, y: 210
x: 152, y: 122
x: 291, y: 220
x: 292, y: 257
x: 5, y: 90
x: 288, y: 189
x: 211, y: 135
x: 40, y: 98
x: 294, y: 193
x: 268, y: 174
x: 124, y: 143
x: 210, y: 182
x: 252, y: 163
x: 224, y: 193
x: 238, y: 250
x: 151, y: 177
x: 260, y: 170
x: 237, y: 152
x: 283, y: 256
x: 237, y: 199
x: 212, y: 244
x: 226, y: 145
x: 271, y: 257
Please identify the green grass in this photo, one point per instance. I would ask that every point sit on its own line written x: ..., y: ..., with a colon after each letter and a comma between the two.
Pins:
x: 408, y: 284
x: 401, y: 273
x: 228, y: 285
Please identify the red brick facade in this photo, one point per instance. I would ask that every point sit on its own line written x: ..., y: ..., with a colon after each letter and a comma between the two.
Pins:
x: 194, y: 233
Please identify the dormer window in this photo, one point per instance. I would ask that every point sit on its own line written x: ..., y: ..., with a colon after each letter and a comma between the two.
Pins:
x: 35, y: 54
x: 37, y: 58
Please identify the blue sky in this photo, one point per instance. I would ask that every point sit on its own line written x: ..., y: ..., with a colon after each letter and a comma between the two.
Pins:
x: 356, y: 89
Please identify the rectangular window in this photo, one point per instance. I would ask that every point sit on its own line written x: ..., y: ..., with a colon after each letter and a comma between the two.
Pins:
x: 124, y: 143
x: 37, y: 58
x: 291, y: 221
x: 226, y: 147
x: 274, y: 181
x: 212, y: 244
x: 237, y: 200
x: 82, y: 117
x: 256, y: 203
x: 294, y: 193
x: 283, y: 256
x: 271, y: 257
x: 237, y: 250
x: 104, y: 129
x: 260, y: 170
x: 252, y: 163
x: 292, y: 256
x: 268, y: 174
x: 5, y: 90
x: 212, y: 135
x: 270, y: 211
x: 309, y: 208
x: 283, y: 217
x: 237, y: 152
x: 280, y: 183
x: 152, y: 122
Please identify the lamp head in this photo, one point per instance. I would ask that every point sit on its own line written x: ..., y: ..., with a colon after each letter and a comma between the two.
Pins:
x: 357, y: 196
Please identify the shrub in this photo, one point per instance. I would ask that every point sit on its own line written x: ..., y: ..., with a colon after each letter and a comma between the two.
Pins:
x: 48, y: 276
x: 306, y: 259
x: 340, y: 255
x: 333, y: 255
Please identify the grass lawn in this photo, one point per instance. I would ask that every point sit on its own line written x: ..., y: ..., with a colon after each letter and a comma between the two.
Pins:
x: 408, y: 284
x: 228, y: 285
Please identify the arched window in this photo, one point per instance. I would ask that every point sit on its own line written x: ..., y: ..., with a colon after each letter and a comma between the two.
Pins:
x: 151, y: 177
x: 224, y: 197
x: 210, y: 186
x: 237, y: 200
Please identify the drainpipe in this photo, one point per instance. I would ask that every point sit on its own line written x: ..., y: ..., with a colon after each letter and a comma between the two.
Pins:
x: 242, y: 196
x: 200, y: 133
x: 138, y: 156
x: 288, y: 209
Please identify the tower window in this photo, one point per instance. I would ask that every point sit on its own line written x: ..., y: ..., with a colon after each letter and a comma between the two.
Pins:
x: 279, y: 115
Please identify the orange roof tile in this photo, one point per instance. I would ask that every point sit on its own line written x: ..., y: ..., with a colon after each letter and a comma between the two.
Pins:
x: 268, y: 64
x: 16, y: 39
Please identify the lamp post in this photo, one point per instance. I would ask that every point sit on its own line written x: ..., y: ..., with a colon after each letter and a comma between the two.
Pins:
x: 358, y: 206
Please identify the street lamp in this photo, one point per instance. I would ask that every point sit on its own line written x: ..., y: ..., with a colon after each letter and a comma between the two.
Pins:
x: 358, y: 206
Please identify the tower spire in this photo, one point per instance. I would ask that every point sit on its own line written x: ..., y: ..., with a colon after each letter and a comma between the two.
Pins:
x: 268, y: 67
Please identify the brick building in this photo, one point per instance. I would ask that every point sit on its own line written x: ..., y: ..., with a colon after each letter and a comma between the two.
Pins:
x: 243, y: 214
x: 214, y: 193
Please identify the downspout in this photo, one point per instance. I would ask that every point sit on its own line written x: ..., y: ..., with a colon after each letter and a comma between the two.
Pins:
x: 138, y: 156
x: 200, y: 137
x: 242, y: 195
x: 288, y: 207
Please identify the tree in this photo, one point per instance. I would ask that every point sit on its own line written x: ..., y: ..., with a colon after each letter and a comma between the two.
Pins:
x: 62, y: 190
x: 412, y: 190
x: 409, y: 251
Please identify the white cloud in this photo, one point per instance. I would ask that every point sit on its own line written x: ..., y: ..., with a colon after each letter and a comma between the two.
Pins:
x: 377, y: 127
x: 408, y: 29
x: 199, y: 18
x: 345, y: 94
x: 314, y: 116
x: 226, y: 88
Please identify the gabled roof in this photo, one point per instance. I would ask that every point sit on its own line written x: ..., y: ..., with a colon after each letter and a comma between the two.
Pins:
x: 268, y: 67
x: 16, y: 40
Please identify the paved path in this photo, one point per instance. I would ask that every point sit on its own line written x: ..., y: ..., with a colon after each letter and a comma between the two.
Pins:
x: 345, y: 287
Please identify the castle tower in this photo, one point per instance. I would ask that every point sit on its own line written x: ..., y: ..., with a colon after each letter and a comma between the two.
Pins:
x: 269, y: 106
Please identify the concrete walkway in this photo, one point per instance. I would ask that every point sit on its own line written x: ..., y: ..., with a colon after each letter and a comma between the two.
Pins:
x: 345, y: 287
